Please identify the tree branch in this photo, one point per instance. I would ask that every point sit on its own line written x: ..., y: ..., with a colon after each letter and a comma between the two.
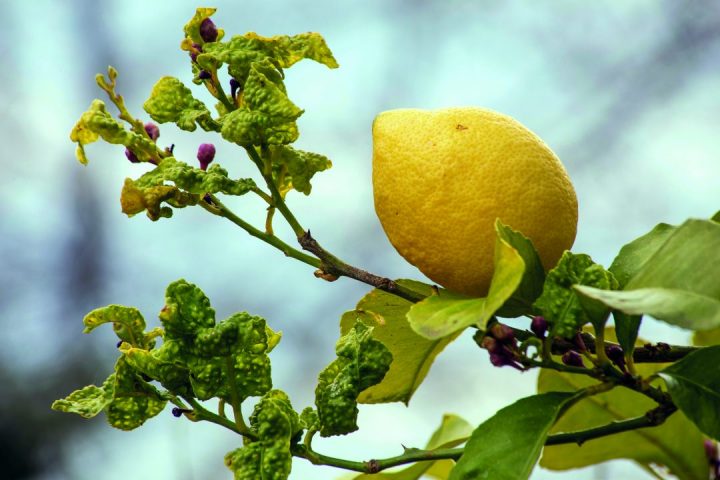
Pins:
x: 653, y: 418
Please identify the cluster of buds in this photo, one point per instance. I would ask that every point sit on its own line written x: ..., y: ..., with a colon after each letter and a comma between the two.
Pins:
x: 573, y: 358
x: 153, y: 132
x: 500, y: 342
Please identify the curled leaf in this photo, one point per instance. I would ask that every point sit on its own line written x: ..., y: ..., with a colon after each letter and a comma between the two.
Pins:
x: 361, y: 363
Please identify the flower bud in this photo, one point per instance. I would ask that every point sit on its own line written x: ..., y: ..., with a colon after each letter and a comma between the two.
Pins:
x: 204, y: 75
x: 711, y: 450
x: 208, y: 30
x: 205, y: 154
x: 177, y: 412
x: 491, y: 345
x: 572, y: 358
x: 152, y: 130
x: 234, y: 85
x: 503, y: 333
x: 130, y: 155
x: 539, y: 326
x: 616, y: 355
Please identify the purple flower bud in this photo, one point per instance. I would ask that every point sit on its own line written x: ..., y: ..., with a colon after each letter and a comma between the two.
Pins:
x: 711, y: 451
x: 208, y: 30
x: 205, y: 154
x: 131, y: 156
x: 503, y: 333
x: 177, y: 412
x: 234, y: 85
x: 616, y: 355
x: 572, y: 358
x: 491, y: 345
x: 204, y: 75
x: 117, y: 345
x: 539, y: 326
x: 504, y: 359
x: 152, y: 130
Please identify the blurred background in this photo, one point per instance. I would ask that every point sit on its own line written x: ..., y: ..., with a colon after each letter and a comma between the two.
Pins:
x: 626, y: 93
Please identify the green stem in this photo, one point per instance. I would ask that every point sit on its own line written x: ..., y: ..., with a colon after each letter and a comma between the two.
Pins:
x: 219, y: 209
x: 200, y: 413
x: 235, y: 398
x: 221, y: 94
x: 278, y: 201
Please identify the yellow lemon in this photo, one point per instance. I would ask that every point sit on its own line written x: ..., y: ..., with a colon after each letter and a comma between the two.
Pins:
x: 442, y: 177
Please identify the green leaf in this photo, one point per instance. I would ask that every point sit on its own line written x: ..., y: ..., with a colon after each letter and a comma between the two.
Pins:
x: 677, y: 284
x: 677, y: 307
x: 676, y: 444
x: 694, y: 383
x: 281, y: 51
x: 447, y: 313
x: 636, y: 253
x: 276, y: 424
x: 171, y: 101
x: 187, y: 309
x: 627, y: 328
x: 149, y: 192
x: 293, y: 169
x: 361, y: 363
x: 716, y: 217
x: 508, y: 445
x: 96, y: 122
x: 267, y: 116
x: 453, y: 431
x: 89, y: 401
x: 531, y: 286
x: 706, y: 338
x: 412, y: 354
x: 128, y: 323
x: 195, y: 180
x: 561, y: 306
x: 192, y: 27
x: 134, y: 401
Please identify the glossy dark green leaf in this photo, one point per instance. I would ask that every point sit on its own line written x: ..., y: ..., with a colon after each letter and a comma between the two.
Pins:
x: 694, y: 383
x: 508, y: 445
x: 412, y: 354
x: 447, y: 313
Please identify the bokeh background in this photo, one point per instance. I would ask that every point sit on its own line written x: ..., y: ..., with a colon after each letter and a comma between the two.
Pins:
x: 627, y: 94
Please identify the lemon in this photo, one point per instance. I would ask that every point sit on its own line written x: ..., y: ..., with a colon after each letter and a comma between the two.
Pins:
x: 442, y: 177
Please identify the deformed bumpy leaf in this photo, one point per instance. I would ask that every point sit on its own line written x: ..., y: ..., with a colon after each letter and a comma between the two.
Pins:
x: 559, y: 303
x: 361, y: 363
x: 150, y: 191
x: 96, y: 122
x: 293, y: 169
x: 224, y: 360
x: 282, y: 51
x: 171, y: 101
x: 276, y: 425
x: 266, y: 117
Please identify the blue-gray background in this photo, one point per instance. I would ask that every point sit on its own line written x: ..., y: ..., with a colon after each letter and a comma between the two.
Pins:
x: 625, y: 92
